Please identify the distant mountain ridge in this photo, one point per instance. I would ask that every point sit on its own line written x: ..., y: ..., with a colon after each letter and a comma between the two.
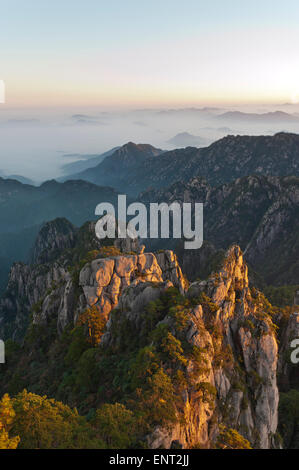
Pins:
x: 84, y: 163
x: 275, y: 116
x: 20, y: 178
x: 134, y: 168
x: 223, y: 161
x: 185, y: 139
x: 24, y: 208
x: 260, y: 213
x: 115, y: 168
x: 75, y: 200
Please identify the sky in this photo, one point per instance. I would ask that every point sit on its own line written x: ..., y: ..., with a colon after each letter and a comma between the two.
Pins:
x: 133, y: 54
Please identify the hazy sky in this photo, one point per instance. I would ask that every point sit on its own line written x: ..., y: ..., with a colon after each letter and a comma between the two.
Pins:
x: 149, y: 53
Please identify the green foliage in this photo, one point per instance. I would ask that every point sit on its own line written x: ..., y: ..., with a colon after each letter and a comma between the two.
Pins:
x: 207, y: 392
x: 109, y: 251
x: 230, y: 439
x: 262, y: 303
x: 180, y: 315
x: 95, y: 323
x: 11, y: 349
x: 77, y: 346
x: 117, y: 426
x: 281, y: 296
x: 170, y: 303
x: 147, y: 362
x: 86, y: 369
x: 44, y: 423
x: 156, y: 399
x: 207, y: 303
x: 131, y: 387
x: 169, y: 347
x: 7, y: 416
x: 289, y: 419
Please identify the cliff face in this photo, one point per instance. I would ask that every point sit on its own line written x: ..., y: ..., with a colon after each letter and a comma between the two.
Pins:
x: 104, y: 280
x: 64, y: 290
x: 277, y: 233
x: 53, y: 238
x: 260, y: 212
x: 27, y: 288
x: 235, y: 381
x: 40, y: 288
x: 218, y: 348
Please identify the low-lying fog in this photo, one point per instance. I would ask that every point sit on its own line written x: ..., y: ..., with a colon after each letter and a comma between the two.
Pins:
x: 37, y: 143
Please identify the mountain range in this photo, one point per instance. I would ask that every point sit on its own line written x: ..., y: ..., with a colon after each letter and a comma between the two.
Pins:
x: 260, y: 213
x: 126, y: 335
x: 114, y: 169
x: 134, y: 168
x: 154, y: 346
x: 208, y: 174
x: 84, y: 162
x: 278, y: 117
x: 24, y: 208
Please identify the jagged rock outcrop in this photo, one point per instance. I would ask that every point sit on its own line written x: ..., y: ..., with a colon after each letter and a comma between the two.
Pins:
x: 27, y: 289
x: 231, y: 380
x: 52, y: 289
x: 259, y: 213
x: 53, y: 238
x: 45, y: 287
x: 235, y: 381
x: 104, y: 280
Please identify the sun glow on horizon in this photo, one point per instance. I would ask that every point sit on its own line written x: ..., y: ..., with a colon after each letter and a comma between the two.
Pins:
x: 216, y: 53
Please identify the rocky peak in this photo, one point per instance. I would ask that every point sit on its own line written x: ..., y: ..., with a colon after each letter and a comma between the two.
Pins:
x: 230, y: 328
x: 130, y: 154
x: 104, y: 280
x: 194, y: 190
x: 53, y: 286
x: 53, y: 238
x: 232, y: 276
x: 228, y: 354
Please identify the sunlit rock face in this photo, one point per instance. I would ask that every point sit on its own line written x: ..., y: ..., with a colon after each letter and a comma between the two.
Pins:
x: 47, y: 288
x: 104, y: 280
x: 238, y: 353
x: 234, y: 383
